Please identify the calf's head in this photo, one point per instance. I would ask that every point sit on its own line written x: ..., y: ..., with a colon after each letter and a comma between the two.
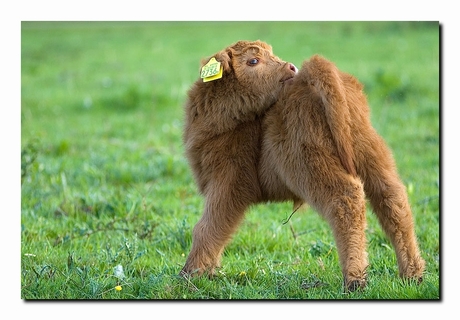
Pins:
x: 250, y: 81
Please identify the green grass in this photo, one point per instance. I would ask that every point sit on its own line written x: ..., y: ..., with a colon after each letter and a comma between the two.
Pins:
x: 104, y: 181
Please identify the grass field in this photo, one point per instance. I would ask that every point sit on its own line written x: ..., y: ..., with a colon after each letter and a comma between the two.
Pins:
x: 105, y: 185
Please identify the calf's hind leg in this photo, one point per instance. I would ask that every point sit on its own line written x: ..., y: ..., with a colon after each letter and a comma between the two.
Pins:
x: 339, y: 198
x: 345, y: 211
x: 389, y: 200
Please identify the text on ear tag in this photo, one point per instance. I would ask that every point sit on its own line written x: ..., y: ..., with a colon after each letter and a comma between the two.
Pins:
x: 211, y: 70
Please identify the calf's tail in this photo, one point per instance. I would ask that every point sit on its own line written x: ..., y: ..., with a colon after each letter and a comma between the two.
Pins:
x: 325, y: 77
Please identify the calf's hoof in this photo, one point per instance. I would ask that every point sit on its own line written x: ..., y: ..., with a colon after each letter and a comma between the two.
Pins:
x: 353, y: 285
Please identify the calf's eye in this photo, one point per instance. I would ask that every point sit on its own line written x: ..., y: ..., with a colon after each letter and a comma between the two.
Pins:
x: 252, y: 62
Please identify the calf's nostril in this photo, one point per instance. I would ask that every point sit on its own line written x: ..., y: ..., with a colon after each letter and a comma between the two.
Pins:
x: 293, y: 67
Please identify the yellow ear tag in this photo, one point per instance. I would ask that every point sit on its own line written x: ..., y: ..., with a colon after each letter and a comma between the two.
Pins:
x: 211, y: 70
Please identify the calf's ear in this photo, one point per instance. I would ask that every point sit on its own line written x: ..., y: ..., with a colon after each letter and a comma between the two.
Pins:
x: 224, y: 57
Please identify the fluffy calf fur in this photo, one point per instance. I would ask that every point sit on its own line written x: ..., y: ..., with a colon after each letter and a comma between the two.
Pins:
x: 319, y: 140
x: 257, y: 135
x: 222, y: 137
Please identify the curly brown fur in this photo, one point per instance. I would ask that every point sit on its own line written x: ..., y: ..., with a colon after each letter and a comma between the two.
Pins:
x: 222, y: 137
x: 314, y: 145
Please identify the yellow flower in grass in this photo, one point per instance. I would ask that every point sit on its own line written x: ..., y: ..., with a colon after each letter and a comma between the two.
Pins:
x: 118, y: 288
